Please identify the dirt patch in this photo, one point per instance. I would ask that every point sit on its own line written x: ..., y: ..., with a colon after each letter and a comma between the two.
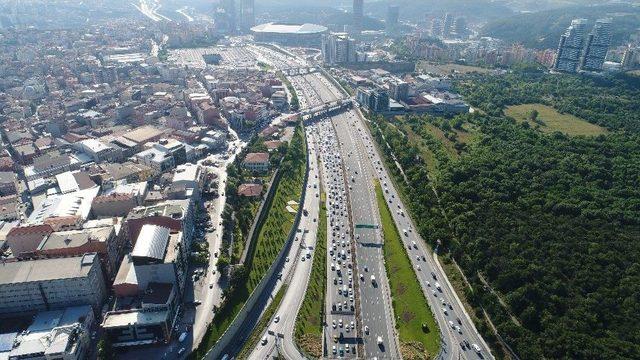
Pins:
x: 408, y: 316
x: 414, y: 351
x: 312, y: 344
x: 401, y: 288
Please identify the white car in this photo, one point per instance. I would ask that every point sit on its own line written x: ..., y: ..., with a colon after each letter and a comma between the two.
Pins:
x: 264, y: 340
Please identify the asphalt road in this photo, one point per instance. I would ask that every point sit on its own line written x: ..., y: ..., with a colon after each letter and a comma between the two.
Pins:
x: 376, y: 310
x: 340, y: 299
x: 455, y: 325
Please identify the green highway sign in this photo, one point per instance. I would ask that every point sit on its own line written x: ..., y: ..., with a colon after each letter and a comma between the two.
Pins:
x: 366, y: 226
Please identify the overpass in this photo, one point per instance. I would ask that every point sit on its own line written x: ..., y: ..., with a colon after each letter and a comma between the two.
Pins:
x: 328, y: 109
x: 303, y: 70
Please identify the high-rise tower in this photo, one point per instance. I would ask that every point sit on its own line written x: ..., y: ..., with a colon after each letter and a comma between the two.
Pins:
x: 358, y: 14
x: 393, y: 15
x: 570, y: 47
x: 597, y: 45
x: 247, y: 14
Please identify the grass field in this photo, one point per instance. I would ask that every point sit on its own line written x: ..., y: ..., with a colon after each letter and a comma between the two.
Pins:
x: 553, y: 120
x: 253, y: 339
x: 308, y: 330
x: 409, y: 304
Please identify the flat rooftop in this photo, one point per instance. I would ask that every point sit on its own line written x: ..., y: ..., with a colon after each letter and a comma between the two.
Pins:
x: 46, y: 269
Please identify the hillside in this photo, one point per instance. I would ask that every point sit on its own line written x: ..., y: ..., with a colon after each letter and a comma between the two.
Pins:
x: 542, y: 29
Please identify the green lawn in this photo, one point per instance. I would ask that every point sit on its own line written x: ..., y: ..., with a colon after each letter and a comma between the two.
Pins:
x: 253, y: 339
x: 309, y: 322
x: 409, y: 304
x: 552, y: 120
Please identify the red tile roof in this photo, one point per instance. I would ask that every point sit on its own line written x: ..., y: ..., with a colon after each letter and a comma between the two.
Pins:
x: 256, y: 158
x: 30, y: 229
x: 111, y: 197
x: 250, y: 190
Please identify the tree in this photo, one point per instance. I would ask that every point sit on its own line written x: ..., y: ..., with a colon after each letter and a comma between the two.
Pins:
x: 105, y: 349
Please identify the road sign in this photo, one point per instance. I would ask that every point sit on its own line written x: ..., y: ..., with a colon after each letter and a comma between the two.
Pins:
x: 366, y: 226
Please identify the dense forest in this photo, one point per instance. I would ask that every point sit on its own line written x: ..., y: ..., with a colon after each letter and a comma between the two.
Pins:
x: 609, y: 102
x: 551, y: 222
x: 542, y: 29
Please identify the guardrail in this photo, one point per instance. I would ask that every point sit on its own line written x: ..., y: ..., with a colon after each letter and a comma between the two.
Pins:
x: 225, y: 339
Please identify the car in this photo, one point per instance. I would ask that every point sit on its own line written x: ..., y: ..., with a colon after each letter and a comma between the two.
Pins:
x: 334, y: 350
x: 451, y: 324
x: 459, y: 321
x: 433, y: 275
x: 182, y: 336
x: 366, y: 329
x: 276, y: 319
x: 287, y: 259
x: 302, y: 258
x: 182, y: 350
x: 445, y: 311
x: 340, y: 323
x: 476, y: 348
x: 333, y: 324
x: 264, y: 340
x: 210, y: 285
x: 353, y: 326
x: 458, y: 329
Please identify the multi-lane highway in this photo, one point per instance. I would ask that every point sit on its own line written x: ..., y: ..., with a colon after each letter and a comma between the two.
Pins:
x: 351, y: 163
x: 341, y: 336
x: 459, y: 335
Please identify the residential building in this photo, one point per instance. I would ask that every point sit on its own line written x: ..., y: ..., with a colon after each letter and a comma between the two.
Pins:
x: 113, y: 204
x: 99, y: 151
x: 176, y: 215
x: 9, y: 207
x: 339, y: 48
x: 358, y: 15
x: 100, y: 240
x: 391, y: 22
x: 247, y: 14
x: 24, y: 240
x: 570, y: 47
x: 8, y: 183
x: 258, y: 162
x: 47, y: 284
x: 596, y: 46
x: 57, y: 334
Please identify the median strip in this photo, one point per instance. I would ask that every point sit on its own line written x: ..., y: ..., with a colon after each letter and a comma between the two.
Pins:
x: 417, y: 328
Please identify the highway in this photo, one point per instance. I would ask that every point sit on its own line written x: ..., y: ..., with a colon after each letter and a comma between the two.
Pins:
x: 341, y: 336
x: 361, y: 164
x: 455, y: 325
